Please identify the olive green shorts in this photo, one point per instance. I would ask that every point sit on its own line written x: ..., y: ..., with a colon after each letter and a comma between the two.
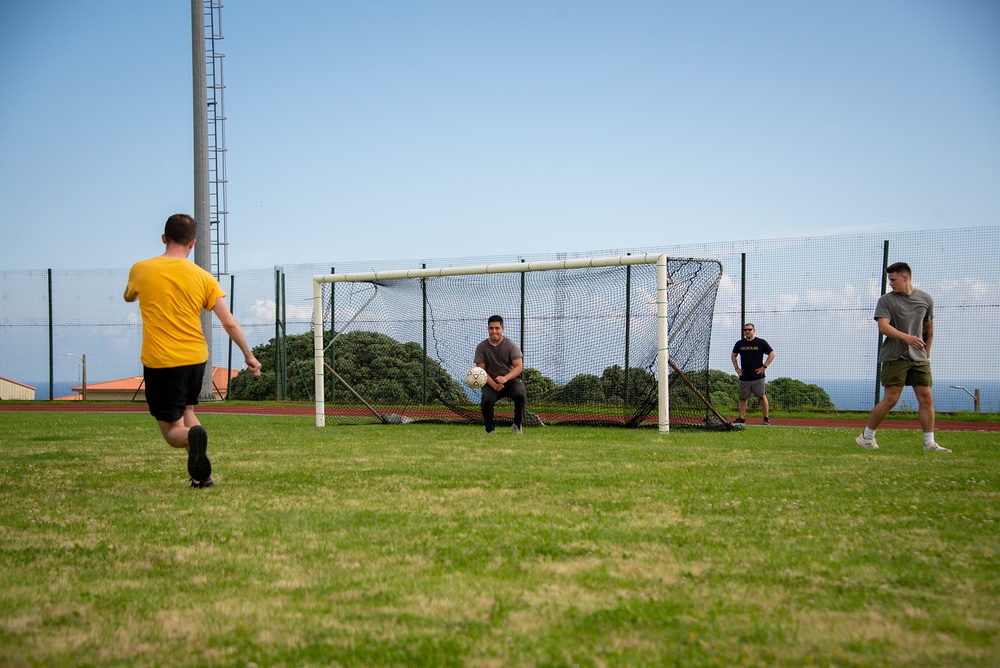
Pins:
x: 898, y: 373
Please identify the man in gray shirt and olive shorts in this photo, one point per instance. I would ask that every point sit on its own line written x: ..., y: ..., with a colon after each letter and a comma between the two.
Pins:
x: 905, y: 317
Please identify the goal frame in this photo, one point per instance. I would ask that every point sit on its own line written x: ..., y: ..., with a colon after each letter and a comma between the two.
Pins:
x: 662, y: 334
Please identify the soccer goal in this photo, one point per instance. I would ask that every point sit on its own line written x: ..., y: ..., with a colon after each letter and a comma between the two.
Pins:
x: 394, y: 346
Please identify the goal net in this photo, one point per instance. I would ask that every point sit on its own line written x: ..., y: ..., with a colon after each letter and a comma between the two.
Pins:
x: 394, y: 346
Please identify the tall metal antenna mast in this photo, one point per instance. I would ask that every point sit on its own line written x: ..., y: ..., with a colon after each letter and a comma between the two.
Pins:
x: 211, y: 252
x: 201, y: 209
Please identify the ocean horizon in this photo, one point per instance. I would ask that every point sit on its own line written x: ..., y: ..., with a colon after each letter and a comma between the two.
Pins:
x: 859, y: 395
x: 60, y: 389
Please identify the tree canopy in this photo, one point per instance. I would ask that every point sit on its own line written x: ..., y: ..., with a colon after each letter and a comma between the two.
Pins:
x: 791, y: 393
x: 378, y: 367
x: 782, y: 393
x: 382, y: 369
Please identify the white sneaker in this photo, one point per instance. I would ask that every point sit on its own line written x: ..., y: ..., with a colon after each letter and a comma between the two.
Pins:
x: 866, y: 443
x: 934, y: 447
x: 516, y: 429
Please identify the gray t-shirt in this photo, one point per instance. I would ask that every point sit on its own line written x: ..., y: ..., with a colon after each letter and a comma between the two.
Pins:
x: 499, y: 359
x: 907, y: 313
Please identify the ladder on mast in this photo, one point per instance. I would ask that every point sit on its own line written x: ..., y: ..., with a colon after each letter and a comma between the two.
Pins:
x: 218, y: 206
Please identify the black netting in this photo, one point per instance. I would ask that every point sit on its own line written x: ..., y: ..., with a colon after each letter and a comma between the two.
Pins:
x: 589, y: 339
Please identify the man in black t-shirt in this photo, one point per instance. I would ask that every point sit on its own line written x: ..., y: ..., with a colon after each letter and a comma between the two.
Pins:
x: 750, y: 351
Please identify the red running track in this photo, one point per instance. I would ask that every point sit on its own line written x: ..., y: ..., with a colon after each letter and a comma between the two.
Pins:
x: 298, y: 409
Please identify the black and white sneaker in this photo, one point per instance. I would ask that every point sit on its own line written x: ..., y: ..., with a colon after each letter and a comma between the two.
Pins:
x: 199, y: 467
x: 204, y: 484
x: 739, y: 421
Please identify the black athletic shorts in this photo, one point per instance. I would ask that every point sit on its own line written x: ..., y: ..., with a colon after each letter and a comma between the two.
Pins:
x: 171, y: 390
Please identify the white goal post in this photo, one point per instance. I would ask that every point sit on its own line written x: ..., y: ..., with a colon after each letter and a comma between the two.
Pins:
x: 660, y: 260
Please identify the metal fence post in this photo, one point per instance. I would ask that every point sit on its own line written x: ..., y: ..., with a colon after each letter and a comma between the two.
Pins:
x: 51, y: 353
x: 628, y: 328
x: 878, y: 367
x: 423, y: 301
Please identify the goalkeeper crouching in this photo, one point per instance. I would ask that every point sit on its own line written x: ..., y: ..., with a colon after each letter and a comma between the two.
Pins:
x: 503, y: 362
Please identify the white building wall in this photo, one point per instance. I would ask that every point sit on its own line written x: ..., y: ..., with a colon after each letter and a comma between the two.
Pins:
x: 12, y: 390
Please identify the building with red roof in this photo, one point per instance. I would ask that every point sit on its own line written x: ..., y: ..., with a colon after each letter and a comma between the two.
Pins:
x: 133, y: 389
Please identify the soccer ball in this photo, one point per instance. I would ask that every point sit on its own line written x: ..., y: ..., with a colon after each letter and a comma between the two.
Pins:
x: 476, y: 377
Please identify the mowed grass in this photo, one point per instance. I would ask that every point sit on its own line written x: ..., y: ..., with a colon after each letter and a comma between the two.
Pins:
x: 437, y: 545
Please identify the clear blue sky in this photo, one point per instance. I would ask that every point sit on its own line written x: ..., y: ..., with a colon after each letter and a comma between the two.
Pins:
x: 393, y: 130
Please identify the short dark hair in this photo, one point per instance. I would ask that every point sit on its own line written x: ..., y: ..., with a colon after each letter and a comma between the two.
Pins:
x: 495, y: 318
x: 180, y: 229
x: 899, y: 268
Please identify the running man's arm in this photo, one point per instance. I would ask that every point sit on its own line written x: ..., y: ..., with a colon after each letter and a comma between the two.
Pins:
x: 235, y: 332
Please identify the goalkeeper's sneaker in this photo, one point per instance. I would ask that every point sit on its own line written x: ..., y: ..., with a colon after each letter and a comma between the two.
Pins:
x: 866, y: 443
x: 199, y: 467
x: 516, y: 429
x: 934, y: 447
x: 204, y: 484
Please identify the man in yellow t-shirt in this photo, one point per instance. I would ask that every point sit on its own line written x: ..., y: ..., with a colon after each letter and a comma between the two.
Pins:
x: 172, y: 293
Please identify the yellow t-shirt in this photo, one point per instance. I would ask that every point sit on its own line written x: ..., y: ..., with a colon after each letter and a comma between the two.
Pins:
x: 172, y: 293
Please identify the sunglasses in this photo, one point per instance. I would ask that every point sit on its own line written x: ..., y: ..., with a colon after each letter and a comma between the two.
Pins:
x: 748, y: 329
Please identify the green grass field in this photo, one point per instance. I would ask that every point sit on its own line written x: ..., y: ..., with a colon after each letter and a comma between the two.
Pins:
x: 437, y: 545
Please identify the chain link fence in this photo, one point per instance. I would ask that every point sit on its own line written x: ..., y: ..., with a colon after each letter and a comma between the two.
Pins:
x: 811, y: 298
